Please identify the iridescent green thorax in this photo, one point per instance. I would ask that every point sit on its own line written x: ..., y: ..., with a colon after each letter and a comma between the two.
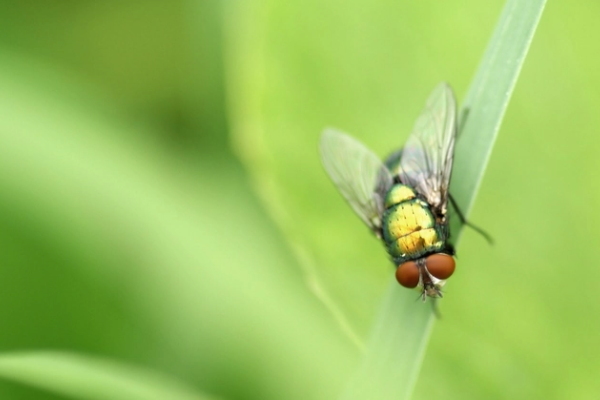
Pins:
x: 409, y: 228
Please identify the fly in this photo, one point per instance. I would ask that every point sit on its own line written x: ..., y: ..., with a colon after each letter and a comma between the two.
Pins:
x: 404, y: 200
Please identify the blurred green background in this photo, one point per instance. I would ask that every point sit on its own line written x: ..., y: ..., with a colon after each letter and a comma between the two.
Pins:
x: 162, y: 203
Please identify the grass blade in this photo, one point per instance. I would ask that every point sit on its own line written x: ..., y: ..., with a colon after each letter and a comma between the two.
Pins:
x: 84, y: 377
x: 397, y: 343
x: 489, y: 94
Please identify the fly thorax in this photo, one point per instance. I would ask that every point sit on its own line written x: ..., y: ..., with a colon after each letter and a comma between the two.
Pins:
x: 409, y: 227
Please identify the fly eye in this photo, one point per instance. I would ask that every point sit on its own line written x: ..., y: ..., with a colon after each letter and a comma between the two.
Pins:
x: 440, y: 265
x: 408, y: 274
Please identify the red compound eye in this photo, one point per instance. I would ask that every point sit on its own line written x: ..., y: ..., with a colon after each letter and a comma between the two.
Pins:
x: 407, y: 274
x: 440, y: 265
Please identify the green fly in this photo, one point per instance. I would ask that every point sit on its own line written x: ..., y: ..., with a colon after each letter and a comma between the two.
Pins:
x: 404, y: 200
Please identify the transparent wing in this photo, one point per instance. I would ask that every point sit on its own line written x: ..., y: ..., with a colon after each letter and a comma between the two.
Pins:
x: 426, y: 162
x: 358, y: 173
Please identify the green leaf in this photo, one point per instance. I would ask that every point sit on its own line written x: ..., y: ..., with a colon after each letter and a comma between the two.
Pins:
x: 489, y: 94
x: 397, y: 344
x: 85, y: 377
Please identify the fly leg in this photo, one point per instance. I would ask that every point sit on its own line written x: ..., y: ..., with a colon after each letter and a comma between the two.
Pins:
x: 467, y: 223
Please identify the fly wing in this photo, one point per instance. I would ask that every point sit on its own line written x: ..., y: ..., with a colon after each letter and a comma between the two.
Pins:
x: 358, y: 173
x: 426, y: 162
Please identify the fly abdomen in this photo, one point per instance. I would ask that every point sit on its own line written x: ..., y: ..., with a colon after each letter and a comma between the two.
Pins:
x: 409, y: 227
x: 415, y: 245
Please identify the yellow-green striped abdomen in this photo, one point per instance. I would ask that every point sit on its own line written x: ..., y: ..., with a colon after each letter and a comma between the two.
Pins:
x: 409, y: 228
